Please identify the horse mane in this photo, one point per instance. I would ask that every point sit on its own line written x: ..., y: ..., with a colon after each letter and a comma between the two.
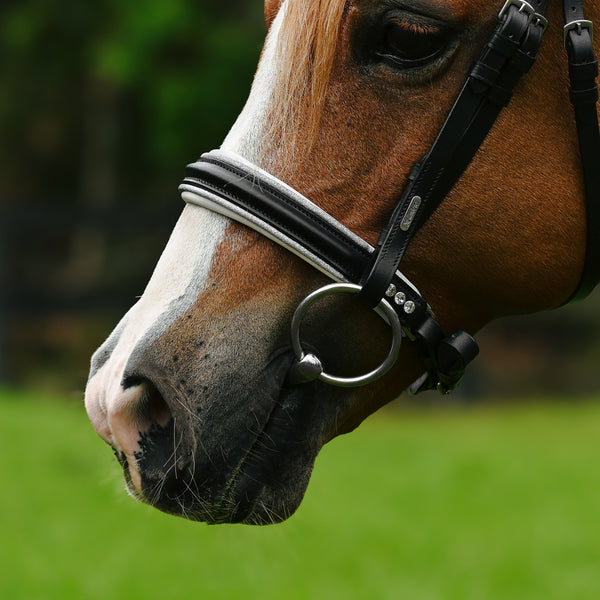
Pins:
x: 306, y: 51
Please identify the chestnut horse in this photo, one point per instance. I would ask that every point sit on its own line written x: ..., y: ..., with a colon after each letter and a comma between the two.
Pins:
x: 192, y: 388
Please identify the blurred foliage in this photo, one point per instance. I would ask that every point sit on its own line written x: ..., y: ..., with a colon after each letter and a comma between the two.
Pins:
x: 162, y: 80
x: 101, y: 106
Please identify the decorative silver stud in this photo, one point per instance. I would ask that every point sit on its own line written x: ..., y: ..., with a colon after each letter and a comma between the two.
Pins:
x: 409, y: 307
x: 400, y: 298
x: 391, y: 291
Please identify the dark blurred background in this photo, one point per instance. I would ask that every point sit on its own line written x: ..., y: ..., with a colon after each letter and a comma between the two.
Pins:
x: 102, y: 104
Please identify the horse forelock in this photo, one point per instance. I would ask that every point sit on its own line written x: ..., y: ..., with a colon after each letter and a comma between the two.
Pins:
x: 306, y: 48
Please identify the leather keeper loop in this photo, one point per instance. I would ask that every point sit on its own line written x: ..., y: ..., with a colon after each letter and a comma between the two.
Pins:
x: 588, y: 96
x: 429, y: 332
x: 455, y: 352
x: 583, y: 71
x: 503, y: 45
x: 484, y: 73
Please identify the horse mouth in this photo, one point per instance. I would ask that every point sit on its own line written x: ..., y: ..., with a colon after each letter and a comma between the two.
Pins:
x: 258, y: 477
x: 270, y: 481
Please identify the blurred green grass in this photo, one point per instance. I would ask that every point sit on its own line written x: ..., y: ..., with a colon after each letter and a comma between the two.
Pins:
x: 490, y: 502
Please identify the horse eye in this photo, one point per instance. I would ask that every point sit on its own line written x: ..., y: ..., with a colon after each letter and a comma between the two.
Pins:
x: 407, y: 45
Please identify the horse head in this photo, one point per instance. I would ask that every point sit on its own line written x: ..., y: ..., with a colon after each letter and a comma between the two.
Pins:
x: 192, y: 388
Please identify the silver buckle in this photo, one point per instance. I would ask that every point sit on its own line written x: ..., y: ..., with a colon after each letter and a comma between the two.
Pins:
x: 523, y: 6
x: 309, y: 367
x: 580, y: 25
x: 542, y: 21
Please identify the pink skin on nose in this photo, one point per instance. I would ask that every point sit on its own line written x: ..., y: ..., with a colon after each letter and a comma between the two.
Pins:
x: 115, y: 428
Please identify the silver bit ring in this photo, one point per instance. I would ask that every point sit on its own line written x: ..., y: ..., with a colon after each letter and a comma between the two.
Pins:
x: 309, y: 367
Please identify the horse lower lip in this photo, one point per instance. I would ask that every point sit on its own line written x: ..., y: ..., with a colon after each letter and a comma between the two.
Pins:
x: 266, y: 481
x: 279, y: 463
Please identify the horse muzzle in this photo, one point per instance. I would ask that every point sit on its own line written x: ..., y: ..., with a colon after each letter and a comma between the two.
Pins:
x: 194, y: 456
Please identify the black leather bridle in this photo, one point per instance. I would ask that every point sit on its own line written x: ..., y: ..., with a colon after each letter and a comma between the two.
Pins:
x: 229, y: 185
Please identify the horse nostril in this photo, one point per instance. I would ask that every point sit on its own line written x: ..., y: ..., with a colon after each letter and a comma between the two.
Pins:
x: 139, y: 411
x: 157, y: 465
x: 151, y: 409
x: 143, y: 435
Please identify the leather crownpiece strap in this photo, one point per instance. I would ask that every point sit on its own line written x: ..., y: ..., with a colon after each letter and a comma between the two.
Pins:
x: 509, y: 54
x: 583, y: 74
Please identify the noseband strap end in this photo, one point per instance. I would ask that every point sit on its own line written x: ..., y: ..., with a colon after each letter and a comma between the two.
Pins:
x: 446, y: 357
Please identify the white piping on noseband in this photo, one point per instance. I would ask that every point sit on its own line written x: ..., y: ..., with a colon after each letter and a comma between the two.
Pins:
x: 307, y: 366
x: 214, y: 203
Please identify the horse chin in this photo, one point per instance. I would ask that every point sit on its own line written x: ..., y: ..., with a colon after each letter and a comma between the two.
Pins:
x: 269, y: 483
x: 254, y: 469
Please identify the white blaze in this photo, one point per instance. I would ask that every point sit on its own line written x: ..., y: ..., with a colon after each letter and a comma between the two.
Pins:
x: 245, y: 137
x: 183, y: 269
x: 178, y: 279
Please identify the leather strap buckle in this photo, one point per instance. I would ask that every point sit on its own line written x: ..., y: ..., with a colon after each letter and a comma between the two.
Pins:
x: 523, y: 7
x: 541, y: 21
x: 526, y: 8
x: 578, y: 25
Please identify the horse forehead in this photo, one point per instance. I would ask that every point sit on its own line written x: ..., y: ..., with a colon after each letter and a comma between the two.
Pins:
x: 458, y: 9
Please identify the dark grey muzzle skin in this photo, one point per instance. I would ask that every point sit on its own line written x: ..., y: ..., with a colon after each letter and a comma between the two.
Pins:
x: 228, y: 442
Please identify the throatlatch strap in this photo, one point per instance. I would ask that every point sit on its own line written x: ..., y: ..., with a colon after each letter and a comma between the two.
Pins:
x: 583, y: 74
x: 509, y: 54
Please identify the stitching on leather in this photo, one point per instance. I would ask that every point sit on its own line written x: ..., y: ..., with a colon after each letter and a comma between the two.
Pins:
x: 303, y: 210
x: 278, y: 224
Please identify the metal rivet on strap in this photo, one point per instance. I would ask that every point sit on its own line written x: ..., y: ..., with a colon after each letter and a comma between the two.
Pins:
x: 400, y: 298
x: 409, y: 307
